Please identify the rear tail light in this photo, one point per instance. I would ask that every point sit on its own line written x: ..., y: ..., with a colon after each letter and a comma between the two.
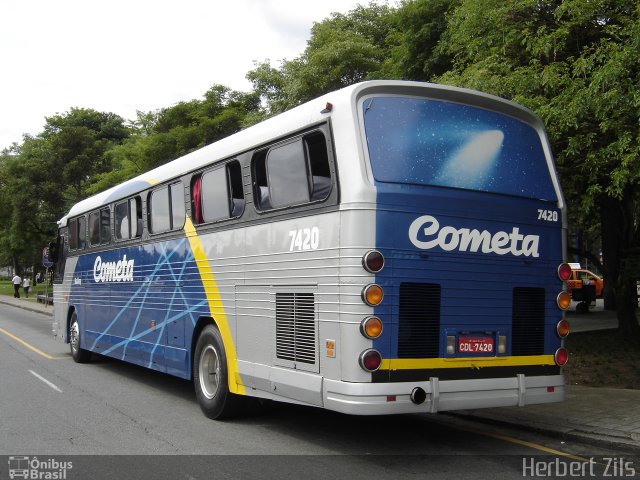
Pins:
x: 502, y: 344
x: 564, y: 272
x: 451, y: 344
x: 372, y: 295
x: 371, y: 327
x: 370, y: 360
x: 563, y: 328
x: 373, y: 261
x: 561, y: 357
x: 564, y: 300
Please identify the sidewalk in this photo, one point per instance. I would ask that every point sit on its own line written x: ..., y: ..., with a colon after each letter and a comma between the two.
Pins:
x: 27, y: 304
x: 606, y: 417
x: 601, y: 416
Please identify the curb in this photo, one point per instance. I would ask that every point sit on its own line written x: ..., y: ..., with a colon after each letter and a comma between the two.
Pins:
x: 604, y: 438
x: 27, y: 307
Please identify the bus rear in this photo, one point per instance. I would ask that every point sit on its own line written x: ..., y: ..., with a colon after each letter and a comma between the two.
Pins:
x: 465, y: 292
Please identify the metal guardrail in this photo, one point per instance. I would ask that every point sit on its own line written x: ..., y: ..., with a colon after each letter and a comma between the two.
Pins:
x: 46, y: 299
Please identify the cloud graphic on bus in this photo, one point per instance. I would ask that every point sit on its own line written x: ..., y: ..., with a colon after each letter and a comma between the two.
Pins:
x: 472, y: 164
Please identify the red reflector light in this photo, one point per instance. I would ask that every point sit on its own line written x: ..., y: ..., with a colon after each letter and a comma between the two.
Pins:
x: 373, y: 261
x: 561, y: 357
x: 564, y: 272
x: 551, y: 389
x: 370, y: 360
x: 391, y: 398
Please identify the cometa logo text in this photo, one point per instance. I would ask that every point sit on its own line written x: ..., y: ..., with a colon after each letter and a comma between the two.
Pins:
x: 425, y: 233
x: 120, y: 271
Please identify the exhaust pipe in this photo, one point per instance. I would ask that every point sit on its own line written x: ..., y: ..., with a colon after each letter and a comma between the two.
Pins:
x: 418, y: 395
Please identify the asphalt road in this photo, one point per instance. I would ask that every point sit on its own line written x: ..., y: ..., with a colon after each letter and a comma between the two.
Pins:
x: 121, y: 421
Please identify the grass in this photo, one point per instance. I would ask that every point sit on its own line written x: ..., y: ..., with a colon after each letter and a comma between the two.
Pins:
x: 6, y: 288
x: 596, y: 359
x: 603, y: 359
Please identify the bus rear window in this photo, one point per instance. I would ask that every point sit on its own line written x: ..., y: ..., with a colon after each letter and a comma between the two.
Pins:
x: 430, y: 142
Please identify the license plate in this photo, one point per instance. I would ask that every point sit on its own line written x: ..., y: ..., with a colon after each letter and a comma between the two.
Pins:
x: 475, y: 345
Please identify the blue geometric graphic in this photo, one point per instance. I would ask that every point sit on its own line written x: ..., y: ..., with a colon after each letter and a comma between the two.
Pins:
x: 147, y: 320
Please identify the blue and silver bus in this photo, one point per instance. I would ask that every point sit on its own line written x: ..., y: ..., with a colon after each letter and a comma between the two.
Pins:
x: 391, y: 247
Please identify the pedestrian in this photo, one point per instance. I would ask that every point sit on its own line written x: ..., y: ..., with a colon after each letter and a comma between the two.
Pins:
x: 26, y: 284
x: 17, y: 281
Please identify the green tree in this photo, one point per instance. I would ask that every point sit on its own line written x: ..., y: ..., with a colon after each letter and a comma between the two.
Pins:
x: 419, y: 25
x: 171, y: 132
x: 575, y: 63
x: 343, y: 49
x: 47, y: 173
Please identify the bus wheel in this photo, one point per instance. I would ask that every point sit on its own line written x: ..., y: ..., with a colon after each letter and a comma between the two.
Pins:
x: 210, y: 376
x: 79, y: 354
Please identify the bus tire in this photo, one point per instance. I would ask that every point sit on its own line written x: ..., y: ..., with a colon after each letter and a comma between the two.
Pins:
x: 211, y: 377
x: 79, y: 355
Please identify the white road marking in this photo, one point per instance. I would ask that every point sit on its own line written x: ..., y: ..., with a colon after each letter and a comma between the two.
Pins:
x: 40, y: 377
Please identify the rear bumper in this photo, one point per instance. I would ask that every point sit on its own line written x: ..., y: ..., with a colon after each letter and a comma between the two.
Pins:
x: 393, y: 398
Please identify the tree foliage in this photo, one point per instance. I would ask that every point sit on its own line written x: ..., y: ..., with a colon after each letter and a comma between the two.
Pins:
x: 343, y: 49
x: 574, y: 62
x: 48, y: 172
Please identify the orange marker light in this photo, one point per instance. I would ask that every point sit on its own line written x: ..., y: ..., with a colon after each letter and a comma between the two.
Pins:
x: 564, y: 300
x: 371, y: 327
x: 563, y: 328
x: 372, y: 295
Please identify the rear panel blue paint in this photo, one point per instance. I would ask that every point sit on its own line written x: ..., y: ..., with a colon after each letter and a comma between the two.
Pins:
x: 477, y: 288
x: 466, y: 168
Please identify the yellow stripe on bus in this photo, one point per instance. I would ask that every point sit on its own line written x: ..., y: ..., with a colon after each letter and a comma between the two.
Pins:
x: 215, y: 306
x: 477, y: 362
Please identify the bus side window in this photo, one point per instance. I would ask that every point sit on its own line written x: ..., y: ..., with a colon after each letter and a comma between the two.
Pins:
x: 100, y: 226
x: 159, y: 219
x: 128, y: 219
x: 196, y: 199
x: 221, y: 194
x: 318, y: 158
x: 294, y: 173
x: 94, y: 228
x: 167, y: 210
x: 178, y: 213
x: 261, y: 190
x: 82, y: 232
x: 73, y: 234
x: 105, y: 225
x: 287, y: 175
x: 121, y: 214
x: 215, y: 195
x: 235, y: 183
x: 135, y: 211
x: 58, y: 272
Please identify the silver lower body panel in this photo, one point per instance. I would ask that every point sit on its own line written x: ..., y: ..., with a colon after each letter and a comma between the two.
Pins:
x: 441, y: 395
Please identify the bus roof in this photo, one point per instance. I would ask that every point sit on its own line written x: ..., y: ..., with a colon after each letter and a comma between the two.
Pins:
x: 296, y: 119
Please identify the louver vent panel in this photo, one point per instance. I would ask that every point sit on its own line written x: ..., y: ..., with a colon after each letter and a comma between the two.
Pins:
x: 295, y: 327
x: 527, y: 327
x: 419, y: 316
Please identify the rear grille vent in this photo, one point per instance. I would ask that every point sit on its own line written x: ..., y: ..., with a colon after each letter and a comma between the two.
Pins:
x: 419, y: 316
x: 295, y: 327
x: 527, y: 324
